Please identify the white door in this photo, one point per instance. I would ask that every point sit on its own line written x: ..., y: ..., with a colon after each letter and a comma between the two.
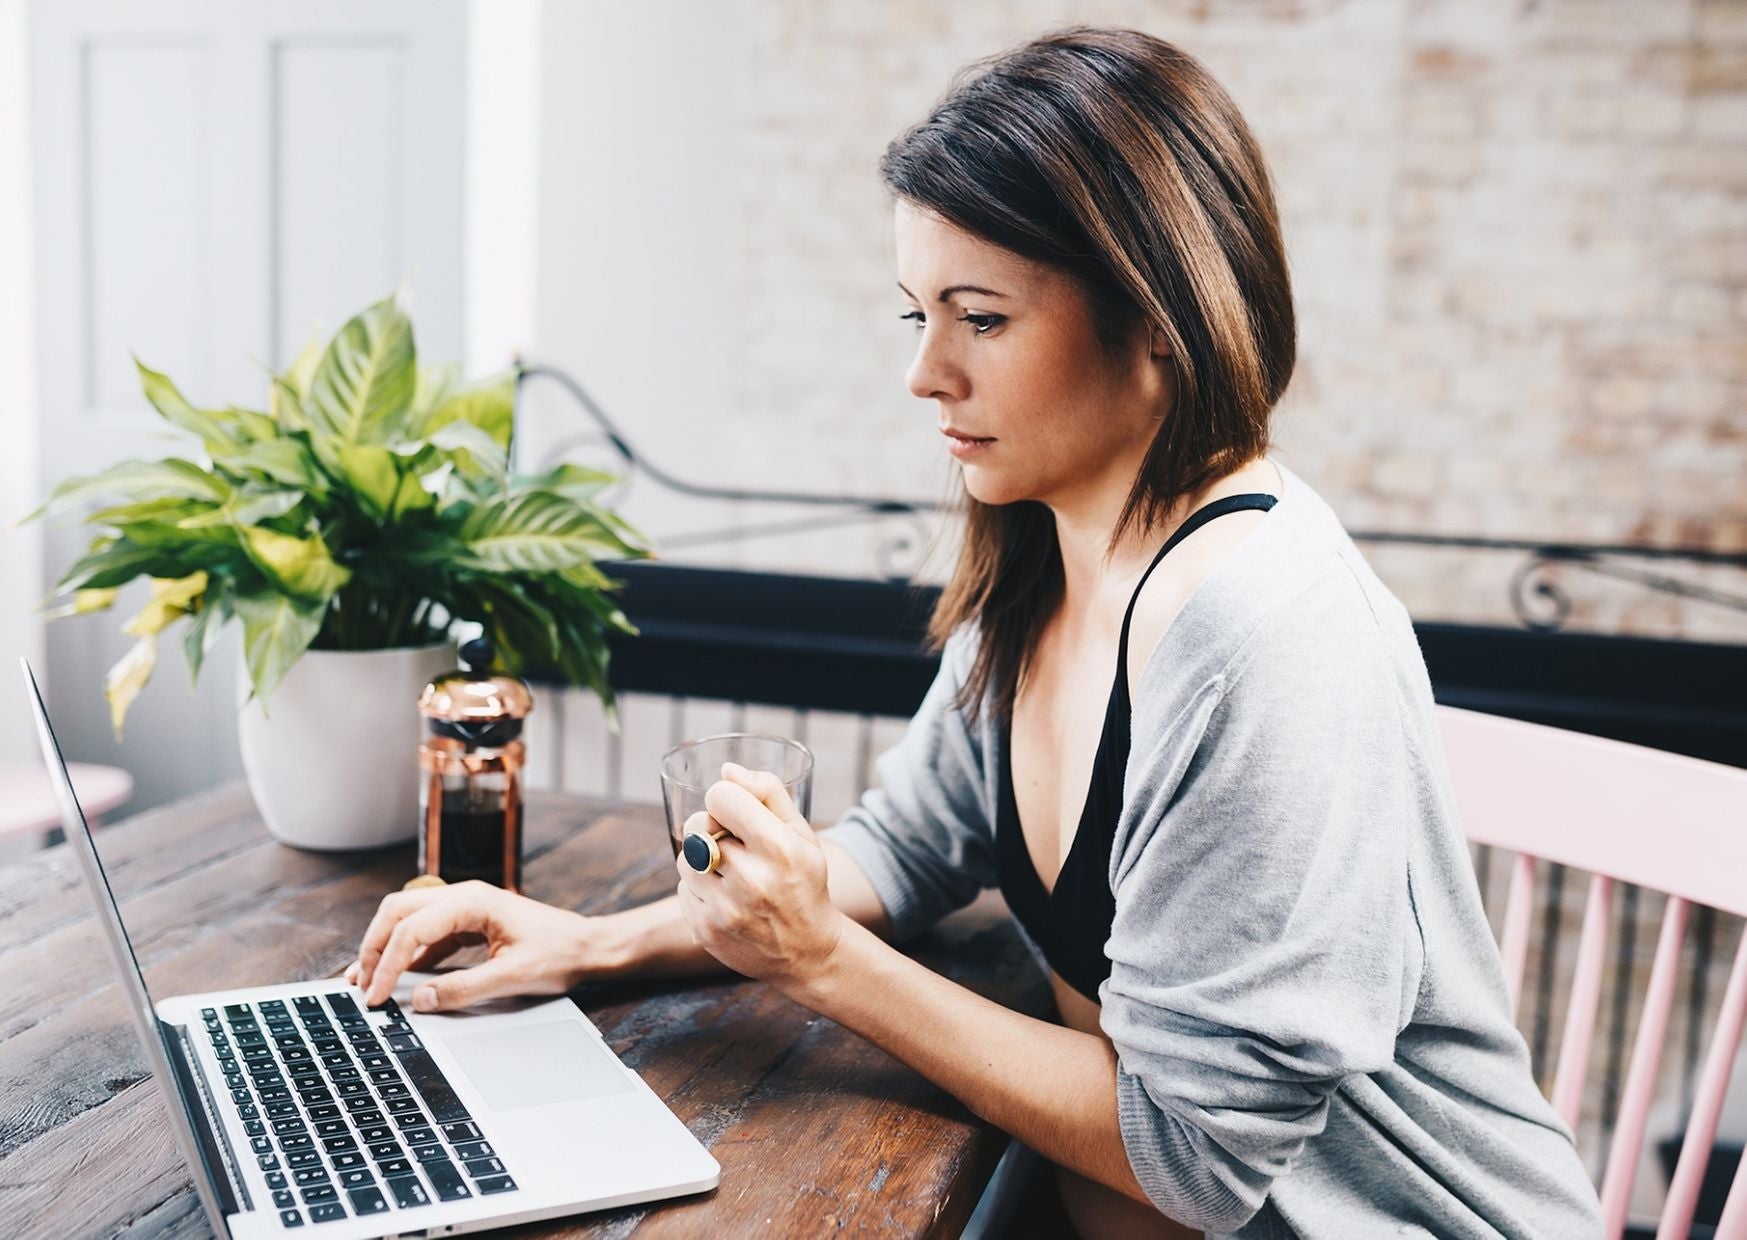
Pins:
x: 212, y: 178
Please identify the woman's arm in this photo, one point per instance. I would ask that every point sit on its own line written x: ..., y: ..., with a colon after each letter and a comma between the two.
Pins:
x: 766, y: 913
x: 540, y: 950
x: 1054, y: 1088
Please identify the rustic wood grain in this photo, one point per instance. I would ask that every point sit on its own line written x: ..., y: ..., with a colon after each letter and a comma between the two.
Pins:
x: 816, y: 1130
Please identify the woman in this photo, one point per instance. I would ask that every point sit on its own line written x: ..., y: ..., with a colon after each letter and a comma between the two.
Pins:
x: 1178, y: 722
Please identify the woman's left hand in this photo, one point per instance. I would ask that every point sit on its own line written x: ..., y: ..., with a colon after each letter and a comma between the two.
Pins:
x: 766, y: 911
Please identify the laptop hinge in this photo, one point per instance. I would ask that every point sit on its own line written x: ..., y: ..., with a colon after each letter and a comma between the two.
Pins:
x: 209, y: 1134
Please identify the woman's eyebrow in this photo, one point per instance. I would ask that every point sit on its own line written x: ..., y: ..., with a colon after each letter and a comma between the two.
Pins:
x: 946, y: 293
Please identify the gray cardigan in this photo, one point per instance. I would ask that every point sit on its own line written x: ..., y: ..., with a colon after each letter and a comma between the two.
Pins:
x: 1305, y: 998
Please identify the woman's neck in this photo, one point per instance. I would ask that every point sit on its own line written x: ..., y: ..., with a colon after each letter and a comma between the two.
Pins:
x: 1083, y: 532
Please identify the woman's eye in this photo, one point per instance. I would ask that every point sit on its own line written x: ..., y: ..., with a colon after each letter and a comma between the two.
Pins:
x: 915, y: 316
x: 982, y: 323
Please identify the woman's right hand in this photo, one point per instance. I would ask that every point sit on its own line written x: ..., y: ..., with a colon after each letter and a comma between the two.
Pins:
x: 535, y: 949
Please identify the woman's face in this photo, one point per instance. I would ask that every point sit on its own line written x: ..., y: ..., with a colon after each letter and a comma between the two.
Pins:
x: 1034, y: 405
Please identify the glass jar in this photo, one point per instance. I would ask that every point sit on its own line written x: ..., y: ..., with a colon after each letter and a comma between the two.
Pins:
x: 470, y: 764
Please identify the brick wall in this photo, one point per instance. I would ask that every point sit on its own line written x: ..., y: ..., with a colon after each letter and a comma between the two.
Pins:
x: 1518, y: 233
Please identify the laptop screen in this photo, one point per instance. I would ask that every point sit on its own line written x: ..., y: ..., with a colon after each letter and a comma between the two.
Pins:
x: 133, y: 979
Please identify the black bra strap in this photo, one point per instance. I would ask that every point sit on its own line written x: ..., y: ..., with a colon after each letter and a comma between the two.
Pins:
x: 1251, y: 501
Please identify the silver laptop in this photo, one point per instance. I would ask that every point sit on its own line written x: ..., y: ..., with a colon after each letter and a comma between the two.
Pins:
x: 300, y: 1110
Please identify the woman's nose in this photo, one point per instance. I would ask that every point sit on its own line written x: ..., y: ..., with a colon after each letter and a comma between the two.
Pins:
x: 933, y: 375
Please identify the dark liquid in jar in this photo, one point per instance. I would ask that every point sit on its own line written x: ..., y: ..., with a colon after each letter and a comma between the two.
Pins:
x: 472, y: 843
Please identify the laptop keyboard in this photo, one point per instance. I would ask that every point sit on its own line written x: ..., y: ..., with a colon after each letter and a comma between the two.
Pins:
x: 343, y: 1118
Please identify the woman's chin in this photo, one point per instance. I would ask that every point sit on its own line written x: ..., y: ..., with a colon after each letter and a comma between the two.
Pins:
x: 986, y: 487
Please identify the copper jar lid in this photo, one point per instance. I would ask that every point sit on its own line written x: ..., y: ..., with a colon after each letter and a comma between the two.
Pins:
x: 472, y: 694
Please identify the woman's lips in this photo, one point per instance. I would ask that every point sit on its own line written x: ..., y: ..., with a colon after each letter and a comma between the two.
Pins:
x: 963, y: 446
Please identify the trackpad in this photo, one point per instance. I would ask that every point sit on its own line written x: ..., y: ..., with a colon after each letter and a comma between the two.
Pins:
x: 538, y: 1065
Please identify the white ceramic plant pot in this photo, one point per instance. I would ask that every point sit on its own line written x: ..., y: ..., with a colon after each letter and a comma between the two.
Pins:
x: 333, y: 760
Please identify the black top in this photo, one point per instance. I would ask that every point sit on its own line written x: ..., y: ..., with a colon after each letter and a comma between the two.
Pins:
x: 1071, y: 923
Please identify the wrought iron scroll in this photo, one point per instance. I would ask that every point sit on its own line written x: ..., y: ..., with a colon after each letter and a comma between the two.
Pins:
x: 898, y: 554
x: 1539, y: 598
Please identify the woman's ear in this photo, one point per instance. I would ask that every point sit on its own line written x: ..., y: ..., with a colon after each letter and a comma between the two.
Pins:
x: 1157, y: 345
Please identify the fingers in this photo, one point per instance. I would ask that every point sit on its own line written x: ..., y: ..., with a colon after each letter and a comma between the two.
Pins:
x: 746, y: 817
x: 494, y: 979
x: 394, y: 906
x: 769, y: 790
x: 422, y: 928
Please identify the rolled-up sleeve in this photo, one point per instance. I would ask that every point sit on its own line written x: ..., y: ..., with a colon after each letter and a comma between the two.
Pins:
x: 923, y: 836
x: 1264, y: 946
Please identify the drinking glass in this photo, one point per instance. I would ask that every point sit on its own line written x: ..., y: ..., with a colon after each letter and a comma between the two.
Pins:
x: 688, y: 770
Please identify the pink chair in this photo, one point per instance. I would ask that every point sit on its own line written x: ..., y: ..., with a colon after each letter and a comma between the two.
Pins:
x: 27, y: 800
x: 1632, y: 815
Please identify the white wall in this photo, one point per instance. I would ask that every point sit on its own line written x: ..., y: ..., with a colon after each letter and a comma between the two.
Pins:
x: 503, y: 137
x: 20, y: 549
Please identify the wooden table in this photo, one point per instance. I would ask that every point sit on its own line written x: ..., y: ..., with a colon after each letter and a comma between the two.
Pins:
x: 816, y: 1130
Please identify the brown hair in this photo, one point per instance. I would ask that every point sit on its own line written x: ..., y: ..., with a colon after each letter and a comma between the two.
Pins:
x: 1115, y: 157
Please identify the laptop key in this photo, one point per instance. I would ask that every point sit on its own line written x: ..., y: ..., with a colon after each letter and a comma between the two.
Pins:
x: 484, y: 1166
x: 357, y: 1177
x: 320, y: 1193
x: 268, y: 1162
x: 429, y: 1153
x: 329, y: 1213
x: 279, y: 1110
x: 276, y: 1180
x: 366, y: 1117
x: 260, y: 1145
x: 461, y: 1132
x: 474, y: 1149
x: 348, y: 1160
x: 283, y: 1198
x: 497, y: 1184
x: 446, y: 1179
x: 407, y: 1120
x: 309, y: 1176
x: 290, y: 1218
x: 360, y: 1104
x: 337, y: 1145
x: 408, y: 1192
x: 394, y: 1167
x: 302, y: 1158
x: 376, y: 1132
x: 394, y: 1089
x: 417, y: 1136
x: 276, y: 1093
x: 386, y: 1149
x: 331, y: 1127
x: 403, y: 1106
x: 368, y: 1200
x: 326, y: 1110
x: 241, y: 1095
x: 297, y: 1144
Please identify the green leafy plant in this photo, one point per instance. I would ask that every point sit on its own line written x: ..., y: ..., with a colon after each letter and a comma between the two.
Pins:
x: 371, y: 506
